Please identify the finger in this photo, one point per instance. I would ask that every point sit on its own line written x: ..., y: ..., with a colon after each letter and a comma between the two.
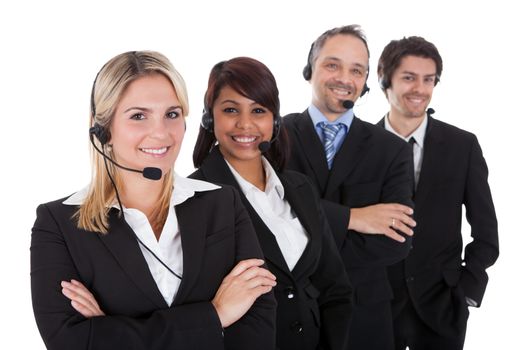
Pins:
x: 254, y: 272
x: 406, y: 219
x: 244, y: 265
x: 79, y: 290
x: 82, y: 309
x: 80, y: 294
x: 400, y: 207
x: 394, y: 235
x: 259, y: 281
x: 258, y: 291
x: 402, y: 227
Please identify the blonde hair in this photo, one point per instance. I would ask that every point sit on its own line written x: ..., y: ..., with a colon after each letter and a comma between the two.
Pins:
x: 108, y: 88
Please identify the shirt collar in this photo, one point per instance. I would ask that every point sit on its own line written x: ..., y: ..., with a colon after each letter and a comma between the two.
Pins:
x: 419, y: 134
x: 272, y: 180
x: 317, y: 117
x: 184, y: 188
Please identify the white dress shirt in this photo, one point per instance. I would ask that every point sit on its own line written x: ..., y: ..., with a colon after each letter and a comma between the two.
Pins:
x: 276, y: 213
x: 418, y: 148
x: 168, y: 249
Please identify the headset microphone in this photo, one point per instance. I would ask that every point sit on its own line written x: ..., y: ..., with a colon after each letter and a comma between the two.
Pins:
x: 348, y: 104
x: 430, y: 111
x: 264, y: 146
x: 148, y: 172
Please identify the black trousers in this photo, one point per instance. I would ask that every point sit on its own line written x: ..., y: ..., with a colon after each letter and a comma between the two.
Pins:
x: 371, y: 327
x: 411, y: 332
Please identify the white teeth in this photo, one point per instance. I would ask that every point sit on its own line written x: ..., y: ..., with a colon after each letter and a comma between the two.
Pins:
x: 244, y: 139
x: 155, y: 150
x: 341, y: 92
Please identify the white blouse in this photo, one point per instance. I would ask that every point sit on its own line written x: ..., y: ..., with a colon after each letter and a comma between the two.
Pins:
x: 168, y: 249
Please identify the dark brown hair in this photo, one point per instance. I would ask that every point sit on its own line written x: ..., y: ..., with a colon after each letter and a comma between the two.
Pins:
x: 396, y: 50
x: 255, y: 81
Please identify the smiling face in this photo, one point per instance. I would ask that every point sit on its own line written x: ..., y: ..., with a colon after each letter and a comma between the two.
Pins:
x: 339, y: 73
x: 411, y: 87
x: 240, y: 125
x: 148, y: 125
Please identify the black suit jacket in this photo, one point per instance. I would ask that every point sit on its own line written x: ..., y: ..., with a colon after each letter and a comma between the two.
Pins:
x: 454, y: 174
x: 372, y: 166
x: 315, y: 297
x: 216, y: 233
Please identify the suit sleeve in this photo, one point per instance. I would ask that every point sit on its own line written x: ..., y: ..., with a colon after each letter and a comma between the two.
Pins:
x: 483, y: 251
x: 256, y: 329
x: 335, y: 297
x: 365, y: 250
x: 61, y: 327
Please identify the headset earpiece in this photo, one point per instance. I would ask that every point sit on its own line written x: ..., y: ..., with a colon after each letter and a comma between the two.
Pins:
x: 207, y: 121
x: 277, y: 126
x: 307, y: 71
x: 100, y: 133
x: 365, y: 90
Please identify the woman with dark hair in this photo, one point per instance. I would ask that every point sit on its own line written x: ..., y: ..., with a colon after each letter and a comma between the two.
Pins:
x: 241, y: 123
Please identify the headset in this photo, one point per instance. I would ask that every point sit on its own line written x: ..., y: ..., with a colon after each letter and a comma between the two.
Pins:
x: 103, y: 135
x: 207, y: 123
x: 307, y: 71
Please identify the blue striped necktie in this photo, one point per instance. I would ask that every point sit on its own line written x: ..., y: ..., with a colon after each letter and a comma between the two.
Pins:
x: 329, y: 134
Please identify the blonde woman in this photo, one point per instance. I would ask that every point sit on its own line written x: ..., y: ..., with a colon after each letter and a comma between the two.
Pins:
x: 146, y: 259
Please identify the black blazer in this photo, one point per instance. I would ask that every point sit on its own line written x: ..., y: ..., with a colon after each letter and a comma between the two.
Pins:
x: 371, y: 167
x: 454, y: 174
x: 216, y: 233
x: 314, y: 299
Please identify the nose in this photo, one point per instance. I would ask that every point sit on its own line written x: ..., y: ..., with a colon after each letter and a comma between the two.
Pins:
x: 418, y: 85
x: 244, y: 120
x: 159, y: 128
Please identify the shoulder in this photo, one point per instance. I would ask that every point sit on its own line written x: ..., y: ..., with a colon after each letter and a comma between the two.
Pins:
x: 378, y: 133
x: 450, y: 129
x: 294, y: 118
x: 223, y: 194
x: 293, y: 177
x: 55, y: 214
x: 57, y: 206
x: 452, y: 135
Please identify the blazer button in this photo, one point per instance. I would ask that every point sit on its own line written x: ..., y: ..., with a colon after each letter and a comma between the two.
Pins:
x: 296, y: 327
x: 290, y: 292
x: 410, y: 279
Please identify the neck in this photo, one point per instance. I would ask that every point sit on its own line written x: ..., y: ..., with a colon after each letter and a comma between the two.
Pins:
x: 139, y: 192
x: 403, y: 125
x: 252, y: 171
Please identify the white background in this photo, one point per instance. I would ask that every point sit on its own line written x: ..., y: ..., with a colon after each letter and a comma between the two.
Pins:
x: 51, y: 52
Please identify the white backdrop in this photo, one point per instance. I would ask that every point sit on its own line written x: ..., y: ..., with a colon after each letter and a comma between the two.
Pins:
x: 51, y: 52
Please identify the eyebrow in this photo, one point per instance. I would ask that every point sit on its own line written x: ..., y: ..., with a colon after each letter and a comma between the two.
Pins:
x: 144, y: 109
x: 237, y: 103
x: 356, y: 64
x: 425, y: 75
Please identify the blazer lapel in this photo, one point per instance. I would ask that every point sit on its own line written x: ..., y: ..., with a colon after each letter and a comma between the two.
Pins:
x: 216, y: 170
x: 313, y: 149
x: 433, y: 148
x: 193, y: 230
x: 349, y: 156
x: 123, y: 245
x: 296, y: 192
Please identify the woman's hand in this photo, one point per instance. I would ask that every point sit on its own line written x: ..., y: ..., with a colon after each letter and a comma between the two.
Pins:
x: 240, y: 288
x: 81, y: 299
